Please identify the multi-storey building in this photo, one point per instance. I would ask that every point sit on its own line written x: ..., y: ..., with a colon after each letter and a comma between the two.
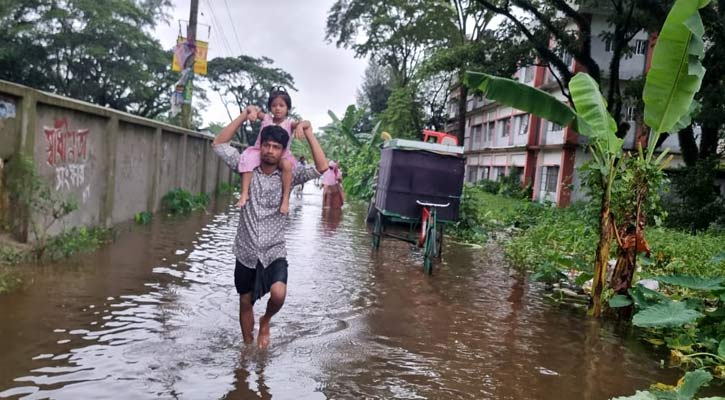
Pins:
x: 499, y: 140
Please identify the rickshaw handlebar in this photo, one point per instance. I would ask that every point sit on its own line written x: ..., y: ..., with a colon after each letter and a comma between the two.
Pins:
x: 424, y: 204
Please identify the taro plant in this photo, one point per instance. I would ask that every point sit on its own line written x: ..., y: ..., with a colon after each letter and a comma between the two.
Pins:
x: 686, y: 389
x: 672, y: 81
x: 691, y: 322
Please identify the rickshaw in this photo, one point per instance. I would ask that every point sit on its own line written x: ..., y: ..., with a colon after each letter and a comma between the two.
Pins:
x: 418, y: 184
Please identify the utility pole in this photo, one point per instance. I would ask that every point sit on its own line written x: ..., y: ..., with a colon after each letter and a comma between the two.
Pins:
x: 188, y: 90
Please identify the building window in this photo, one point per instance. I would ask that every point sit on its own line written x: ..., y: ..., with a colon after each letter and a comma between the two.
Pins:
x: 522, y: 124
x: 630, y: 113
x: 505, y: 127
x: 483, y: 173
x: 472, y: 174
x: 477, y: 135
x: 549, y: 178
x: 518, y: 171
x: 554, y: 127
x: 640, y: 46
x: 489, y: 132
x: 529, y: 73
x: 497, y: 173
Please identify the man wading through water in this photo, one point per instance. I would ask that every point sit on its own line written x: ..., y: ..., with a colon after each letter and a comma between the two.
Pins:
x: 259, y: 246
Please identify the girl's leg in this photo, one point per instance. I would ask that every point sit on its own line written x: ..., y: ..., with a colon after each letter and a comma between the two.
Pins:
x: 286, y: 168
x: 244, y: 196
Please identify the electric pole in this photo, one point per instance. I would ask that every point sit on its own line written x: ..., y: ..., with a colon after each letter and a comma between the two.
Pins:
x: 188, y: 90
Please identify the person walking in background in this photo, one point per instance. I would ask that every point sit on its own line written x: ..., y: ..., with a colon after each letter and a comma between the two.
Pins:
x: 299, y: 189
x: 332, y: 196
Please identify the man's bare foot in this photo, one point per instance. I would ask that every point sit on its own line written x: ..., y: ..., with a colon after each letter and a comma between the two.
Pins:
x: 263, y: 337
x: 242, y: 201
x: 284, y: 208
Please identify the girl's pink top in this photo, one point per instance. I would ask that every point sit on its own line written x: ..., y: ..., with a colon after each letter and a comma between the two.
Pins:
x: 331, y: 176
x: 250, y: 158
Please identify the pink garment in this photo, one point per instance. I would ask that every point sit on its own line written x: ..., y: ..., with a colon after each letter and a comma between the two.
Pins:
x: 330, y: 177
x: 250, y: 158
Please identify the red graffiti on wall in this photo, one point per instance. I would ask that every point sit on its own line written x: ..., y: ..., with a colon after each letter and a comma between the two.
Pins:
x: 65, y: 145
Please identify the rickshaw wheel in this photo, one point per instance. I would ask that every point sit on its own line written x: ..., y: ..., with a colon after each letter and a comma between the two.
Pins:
x: 440, y: 242
x: 377, y: 229
x: 430, y: 251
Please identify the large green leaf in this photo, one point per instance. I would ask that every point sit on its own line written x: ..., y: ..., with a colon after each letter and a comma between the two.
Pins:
x: 670, y: 314
x: 721, y: 349
x: 638, y: 396
x: 619, y: 300
x: 676, y: 72
x: 692, y: 382
x: 593, y: 119
x: 644, y: 297
x: 693, y: 282
x: 522, y: 97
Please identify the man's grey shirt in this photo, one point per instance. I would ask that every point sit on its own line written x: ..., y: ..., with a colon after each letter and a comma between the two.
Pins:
x: 261, y: 229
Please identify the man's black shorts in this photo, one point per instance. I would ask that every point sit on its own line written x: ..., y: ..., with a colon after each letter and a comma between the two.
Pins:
x: 259, y: 280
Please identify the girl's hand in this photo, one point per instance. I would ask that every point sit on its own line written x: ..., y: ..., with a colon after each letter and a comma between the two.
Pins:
x: 299, y: 132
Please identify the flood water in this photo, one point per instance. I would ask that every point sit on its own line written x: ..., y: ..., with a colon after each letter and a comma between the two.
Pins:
x: 154, y: 315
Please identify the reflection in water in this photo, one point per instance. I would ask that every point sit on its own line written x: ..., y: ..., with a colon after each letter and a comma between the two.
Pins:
x: 155, y: 316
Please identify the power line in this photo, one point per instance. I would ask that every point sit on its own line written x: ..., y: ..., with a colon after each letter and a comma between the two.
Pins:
x: 229, y: 14
x: 220, y: 31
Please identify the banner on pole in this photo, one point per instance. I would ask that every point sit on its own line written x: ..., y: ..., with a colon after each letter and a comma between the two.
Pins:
x: 182, y: 51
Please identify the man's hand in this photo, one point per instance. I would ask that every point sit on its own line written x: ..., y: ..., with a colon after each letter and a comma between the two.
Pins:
x: 303, y: 129
x: 299, y: 132
x: 252, y: 112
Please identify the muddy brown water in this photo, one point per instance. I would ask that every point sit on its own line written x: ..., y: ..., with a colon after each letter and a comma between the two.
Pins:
x: 154, y: 315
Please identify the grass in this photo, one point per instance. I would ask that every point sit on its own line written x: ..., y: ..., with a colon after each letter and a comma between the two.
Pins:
x: 542, y: 235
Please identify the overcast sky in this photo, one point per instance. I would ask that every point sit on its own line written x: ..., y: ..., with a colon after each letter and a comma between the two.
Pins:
x: 290, y: 32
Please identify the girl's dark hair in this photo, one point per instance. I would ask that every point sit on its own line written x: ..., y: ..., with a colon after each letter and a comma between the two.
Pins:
x: 279, y: 91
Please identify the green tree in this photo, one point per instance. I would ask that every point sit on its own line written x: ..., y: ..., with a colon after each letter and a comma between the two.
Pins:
x: 403, y: 116
x: 247, y: 80
x: 397, y: 34
x: 96, y: 51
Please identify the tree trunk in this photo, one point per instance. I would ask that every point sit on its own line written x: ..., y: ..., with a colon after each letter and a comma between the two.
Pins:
x: 615, y: 92
x: 708, y: 140
x: 602, y: 256
x: 688, y: 146
x: 462, y: 102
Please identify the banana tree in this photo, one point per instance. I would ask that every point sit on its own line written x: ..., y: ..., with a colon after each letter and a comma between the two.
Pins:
x: 674, y: 78
x: 358, y: 152
x: 672, y: 82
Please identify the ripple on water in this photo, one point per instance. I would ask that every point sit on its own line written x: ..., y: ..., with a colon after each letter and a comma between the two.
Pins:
x: 357, y: 323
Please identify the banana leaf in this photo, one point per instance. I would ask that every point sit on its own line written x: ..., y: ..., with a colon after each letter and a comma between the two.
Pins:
x: 593, y: 119
x: 676, y: 72
x: 520, y: 96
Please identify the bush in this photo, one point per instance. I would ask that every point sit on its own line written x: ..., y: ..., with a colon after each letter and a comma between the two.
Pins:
x: 696, y: 204
x: 143, y: 218
x: 180, y: 201
x: 76, y: 240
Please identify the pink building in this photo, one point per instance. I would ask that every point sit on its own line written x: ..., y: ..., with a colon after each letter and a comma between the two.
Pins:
x: 500, y: 140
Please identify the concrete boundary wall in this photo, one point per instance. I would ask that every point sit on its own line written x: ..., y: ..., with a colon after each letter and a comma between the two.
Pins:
x: 113, y: 163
